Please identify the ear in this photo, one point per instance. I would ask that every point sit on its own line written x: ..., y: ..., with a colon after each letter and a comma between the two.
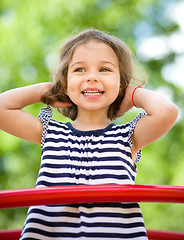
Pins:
x: 66, y: 92
x: 121, y: 89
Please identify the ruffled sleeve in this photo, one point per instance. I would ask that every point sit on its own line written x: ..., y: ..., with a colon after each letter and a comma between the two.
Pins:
x: 45, y: 116
x: 131, y: 131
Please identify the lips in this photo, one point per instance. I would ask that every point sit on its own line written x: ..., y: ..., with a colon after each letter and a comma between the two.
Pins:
x: 92, y: 92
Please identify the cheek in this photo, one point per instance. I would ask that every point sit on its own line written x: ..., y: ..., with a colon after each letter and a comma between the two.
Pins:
x: 115, y: 85
x: 72, y: 90
x: 116, y: 92
x: 113, y: 92
x: 70, y: 84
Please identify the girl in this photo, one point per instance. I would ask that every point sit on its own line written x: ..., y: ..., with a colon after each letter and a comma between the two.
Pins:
x: 92, y: 87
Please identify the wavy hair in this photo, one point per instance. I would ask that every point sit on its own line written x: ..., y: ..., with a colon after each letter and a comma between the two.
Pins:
x: 58, y: 91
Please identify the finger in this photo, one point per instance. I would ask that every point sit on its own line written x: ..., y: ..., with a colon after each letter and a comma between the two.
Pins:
x: 61, y: 105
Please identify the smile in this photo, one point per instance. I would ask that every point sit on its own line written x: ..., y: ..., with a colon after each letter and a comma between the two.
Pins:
x: 92, y: 93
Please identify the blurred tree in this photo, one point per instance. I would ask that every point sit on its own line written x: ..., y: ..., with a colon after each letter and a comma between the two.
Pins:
x: 31, y: 32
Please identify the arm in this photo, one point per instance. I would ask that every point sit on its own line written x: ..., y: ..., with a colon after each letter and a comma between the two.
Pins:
x: 16, y: 121
x: 160, y: 118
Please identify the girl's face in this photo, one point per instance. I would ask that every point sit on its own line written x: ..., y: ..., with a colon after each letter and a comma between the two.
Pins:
x: 93, y: 80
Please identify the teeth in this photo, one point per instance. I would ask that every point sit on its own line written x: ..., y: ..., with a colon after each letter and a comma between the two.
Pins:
x: 91, y: 93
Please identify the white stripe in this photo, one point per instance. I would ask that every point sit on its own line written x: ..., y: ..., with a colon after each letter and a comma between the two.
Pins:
x: 74, y: 153
x: 73, y: 180
x: 53, y: 229
x: 38, y: 236
x: 88, y: 172
x: 87, y: 210
x: 85, y: 219
x: 85, y: 229
x: 80, y: 165
x: 100, y: 146
x: 91, y: 163
x: 79, y: 139
x: 110, y: 209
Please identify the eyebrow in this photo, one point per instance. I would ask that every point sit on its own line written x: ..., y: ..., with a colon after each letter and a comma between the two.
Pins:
x: 81, y: 62
x: 109, y: 62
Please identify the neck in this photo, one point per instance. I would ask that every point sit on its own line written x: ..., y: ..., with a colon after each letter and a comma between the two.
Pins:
x: 91, y: 121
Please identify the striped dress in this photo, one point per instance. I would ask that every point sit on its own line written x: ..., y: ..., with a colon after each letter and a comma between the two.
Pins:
x: 70, y: 157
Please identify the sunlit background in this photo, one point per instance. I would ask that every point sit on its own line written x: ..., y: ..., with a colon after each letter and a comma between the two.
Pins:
x: 30, y: 35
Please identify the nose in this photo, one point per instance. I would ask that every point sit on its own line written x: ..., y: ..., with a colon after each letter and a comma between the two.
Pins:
x: 92, y: 76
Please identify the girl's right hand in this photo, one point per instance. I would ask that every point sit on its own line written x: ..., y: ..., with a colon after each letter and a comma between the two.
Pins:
x: 56, y: 104
x: 61, y: 105
x: 16, y: 121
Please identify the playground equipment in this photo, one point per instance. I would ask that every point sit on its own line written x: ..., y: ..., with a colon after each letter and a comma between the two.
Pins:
x: 92, y: 193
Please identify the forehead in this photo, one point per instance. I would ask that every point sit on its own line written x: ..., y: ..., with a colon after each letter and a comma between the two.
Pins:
x: 94, y: 48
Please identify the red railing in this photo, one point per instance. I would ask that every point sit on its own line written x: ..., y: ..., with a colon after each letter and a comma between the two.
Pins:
x: 92, y: 193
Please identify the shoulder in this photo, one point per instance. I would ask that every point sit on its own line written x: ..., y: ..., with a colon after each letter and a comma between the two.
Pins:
x: 58, y: 125
x: 129, y: 126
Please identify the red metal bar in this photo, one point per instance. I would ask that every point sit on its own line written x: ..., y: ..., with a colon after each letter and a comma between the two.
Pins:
x: 152, y: 235
x: 12, y: 234
x: 164, y: 235
x: 93, y: 193
x: 90, y: 193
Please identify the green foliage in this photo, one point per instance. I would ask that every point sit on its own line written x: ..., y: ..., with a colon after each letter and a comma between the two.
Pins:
x: 31, y: 32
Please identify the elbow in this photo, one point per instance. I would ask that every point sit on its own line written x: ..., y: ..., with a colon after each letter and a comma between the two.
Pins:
x: 173, y: 109
x: 170, y: 113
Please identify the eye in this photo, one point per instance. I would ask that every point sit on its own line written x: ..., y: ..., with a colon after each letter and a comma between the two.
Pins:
x: 79, y: 70
x: 104, y: 69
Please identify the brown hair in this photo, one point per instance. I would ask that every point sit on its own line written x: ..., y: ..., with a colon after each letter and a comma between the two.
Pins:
x: 58, y: 91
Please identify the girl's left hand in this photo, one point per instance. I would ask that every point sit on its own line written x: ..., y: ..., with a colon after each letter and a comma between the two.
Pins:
x: 126, y: 104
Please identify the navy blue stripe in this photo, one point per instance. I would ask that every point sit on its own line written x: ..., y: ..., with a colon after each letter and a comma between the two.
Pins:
x: 101, y: 205
x: 100, y: 159
x: 85, y: 224
x: 61, y: 157
x: 58, y: 124
x: 110, y: 205
x: 78, y: 158
x: 119, y: 134
x: 54, y: 214
x: 49, y: 184
x: 112, y: 215
x: 86, y: 149
x: 57, y: 132
x: 70, y: 140
x: 67, y: 125
x: 103, y: 144
x: 54, y: 224
x: 77, y: 215
x: 112, y: 167
x: 93, y: 168
x: 109, y: 135
x: 87, y: 177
